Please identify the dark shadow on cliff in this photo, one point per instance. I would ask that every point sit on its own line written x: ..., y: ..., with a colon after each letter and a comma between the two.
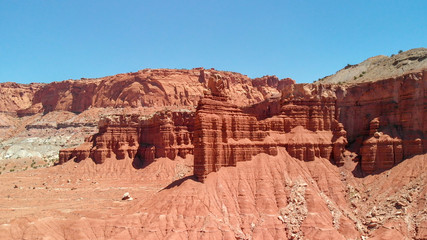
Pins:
x: 178, y: 182
x: 139, y: 163
x: 357, y: 171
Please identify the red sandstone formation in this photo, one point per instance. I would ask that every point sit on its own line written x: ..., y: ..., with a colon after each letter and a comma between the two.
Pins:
x: 145, y: 88
x: 14, y: 96
x: 166, y: 134
x: 306, y: 126
x: 272, y: 81
x: 382, y: 152
x: 388, y: 116
x: 223, y: 133
x: 397, y: 102
x: 303, y: 120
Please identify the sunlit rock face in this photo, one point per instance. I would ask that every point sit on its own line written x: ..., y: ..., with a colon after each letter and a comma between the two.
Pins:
x: 305, y: 119
x: 165, y: 134
x: 306, y: 126
x: 386, y: 119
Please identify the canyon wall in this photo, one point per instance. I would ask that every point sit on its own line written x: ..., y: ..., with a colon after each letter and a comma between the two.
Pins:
x: 385, y: 120
x: 14, y: 96
x: 306, y: 126
x: 305, y: 120
x: 165, y: 134
x: 145, y: 88
x: 399, y: 103
x: 32, y: 120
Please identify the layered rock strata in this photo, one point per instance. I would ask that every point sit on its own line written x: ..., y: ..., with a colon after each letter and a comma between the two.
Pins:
x: 222, y: 133
x: 386, y: 119
x: 14, y: 96
x: 145, y: 88
x: 165, y: 134
x: 398, y: 102
x: 306, y: 127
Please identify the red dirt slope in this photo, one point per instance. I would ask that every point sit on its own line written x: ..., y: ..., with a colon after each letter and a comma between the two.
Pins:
x: 268, y: 197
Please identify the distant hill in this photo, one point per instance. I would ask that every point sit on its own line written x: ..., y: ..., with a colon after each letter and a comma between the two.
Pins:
x: 380, y: 67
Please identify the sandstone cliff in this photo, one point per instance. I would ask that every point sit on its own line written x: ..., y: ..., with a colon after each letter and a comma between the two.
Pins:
x: 14, y: 96
x: 165, y: 134
x: 145, y: 88
x: 36, y: 119
x: 305, y: 120
x: 390, y: 112
x: 224, y: 135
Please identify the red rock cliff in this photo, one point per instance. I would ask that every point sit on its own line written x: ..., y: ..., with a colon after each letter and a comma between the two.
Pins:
x: 386, y: 118
x: 166, y: 134
x: 306, y: 127
x: 14, y: 96
x: 145, y: 88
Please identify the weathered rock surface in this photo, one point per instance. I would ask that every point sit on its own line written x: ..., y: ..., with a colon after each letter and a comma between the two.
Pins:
x: 145, y: 88
x: 398, y: 102
x: 39, y: 137
x: 224, y: 135
x: 304, y: 120
x: 397, y: 106
x: 14, y: 96
x: 380, y: 151
x: 72, y: 108
x: 165, y: 134
x: 306, y: 127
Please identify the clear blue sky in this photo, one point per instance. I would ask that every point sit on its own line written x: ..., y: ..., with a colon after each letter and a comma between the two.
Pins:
x: 45, y: 41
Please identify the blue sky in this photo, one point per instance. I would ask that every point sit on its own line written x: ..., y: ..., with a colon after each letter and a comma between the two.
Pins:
x: 45, y: 41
